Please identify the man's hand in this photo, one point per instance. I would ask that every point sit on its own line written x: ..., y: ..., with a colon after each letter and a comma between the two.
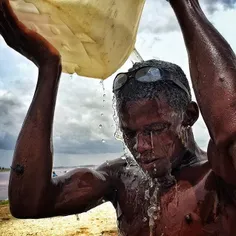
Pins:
x: 25, y: 41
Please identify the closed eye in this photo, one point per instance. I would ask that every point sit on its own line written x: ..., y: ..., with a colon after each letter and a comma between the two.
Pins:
x: 159, y: 128
x: 158, y: 131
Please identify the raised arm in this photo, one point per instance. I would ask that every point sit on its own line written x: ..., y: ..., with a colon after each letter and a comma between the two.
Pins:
x: 32, y: 192
x: 213, y: 73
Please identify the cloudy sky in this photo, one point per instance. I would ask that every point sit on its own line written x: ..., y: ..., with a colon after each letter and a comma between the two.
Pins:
x: 84, y: 125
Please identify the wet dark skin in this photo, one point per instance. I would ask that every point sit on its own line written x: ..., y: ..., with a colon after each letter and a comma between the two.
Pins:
x: 200, y: 201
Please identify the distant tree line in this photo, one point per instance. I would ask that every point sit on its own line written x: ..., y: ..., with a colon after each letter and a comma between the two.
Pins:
x: 4, y: 169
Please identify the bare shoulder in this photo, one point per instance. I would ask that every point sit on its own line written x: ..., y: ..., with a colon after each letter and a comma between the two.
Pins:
x: 118, y: 167
x: 123, y: 171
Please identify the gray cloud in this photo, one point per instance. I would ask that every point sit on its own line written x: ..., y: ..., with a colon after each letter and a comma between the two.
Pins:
x: 80, y: 108
x: 7, y: 141
x: 159, y: 18
x: 212, y: 5
x: 83, y: 116
x: 11, y: 115
x: 88, y: 147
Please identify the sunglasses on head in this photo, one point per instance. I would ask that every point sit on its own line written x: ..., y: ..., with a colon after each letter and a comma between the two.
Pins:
x: 146, y: 74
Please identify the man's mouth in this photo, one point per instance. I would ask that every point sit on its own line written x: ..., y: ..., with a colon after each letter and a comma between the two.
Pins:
x: 147, y: 163
x: 151, y: 162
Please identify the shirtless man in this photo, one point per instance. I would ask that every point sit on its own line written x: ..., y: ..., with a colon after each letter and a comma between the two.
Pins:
x: 171, y: 187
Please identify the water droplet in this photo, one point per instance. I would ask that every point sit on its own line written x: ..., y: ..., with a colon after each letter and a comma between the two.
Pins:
x: 147, y: 196
x: 103, y: 141
x: 107, y: 162
x: 151, y: 184
x: 123, y: 157
x: 118, y: 134
x: 145, y: 219
x: 104, y: 95
x: 138, y: 156
x: 101, y: 114
x: 152, y: 140
x: 100, y: 126
x: 103, y: 88
x: 151, y: 211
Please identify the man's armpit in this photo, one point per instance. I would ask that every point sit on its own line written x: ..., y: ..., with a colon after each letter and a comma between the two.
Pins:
x: 232, y: 153
x: 221, y: 161
x: 226, y: 192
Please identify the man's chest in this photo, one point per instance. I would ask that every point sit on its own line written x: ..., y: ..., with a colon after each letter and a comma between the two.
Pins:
x: 182, y: 210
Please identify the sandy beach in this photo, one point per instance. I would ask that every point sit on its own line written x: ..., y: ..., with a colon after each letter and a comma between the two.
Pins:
x: 98, y: 221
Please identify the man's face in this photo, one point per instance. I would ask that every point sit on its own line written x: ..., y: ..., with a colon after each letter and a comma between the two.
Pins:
x: 152, y: 131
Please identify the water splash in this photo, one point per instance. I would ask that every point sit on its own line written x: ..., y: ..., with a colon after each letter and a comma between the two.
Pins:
x: 104, y: 92
x: 102, y: 84
x: 126, y: 157
x: 147, y: 194
x: 135, y: 56
x: 118, y: 134
x: 145, y: 219
x: 103, y: 97
x: 176, y: 193
x: 151, y: 183
x: 152, y: 143
x: 154, y: 209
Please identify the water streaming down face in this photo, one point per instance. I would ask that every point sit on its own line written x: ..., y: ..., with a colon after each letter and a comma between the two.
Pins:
x: 119, y: 136
x: 151, y: 121
x: 151, y: 116
x: 156, y: 142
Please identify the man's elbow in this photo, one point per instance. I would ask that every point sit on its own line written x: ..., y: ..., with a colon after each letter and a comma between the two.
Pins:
x: 21, y: 212
x: 26, y: 211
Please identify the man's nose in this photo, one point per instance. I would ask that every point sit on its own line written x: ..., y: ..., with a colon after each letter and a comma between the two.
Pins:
x: 143, y: 143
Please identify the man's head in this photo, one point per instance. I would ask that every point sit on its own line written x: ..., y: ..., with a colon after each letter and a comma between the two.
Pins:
x: 155, y: 116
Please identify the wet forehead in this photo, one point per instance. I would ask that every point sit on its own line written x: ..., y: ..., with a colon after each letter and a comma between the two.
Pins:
x: 137, y: 114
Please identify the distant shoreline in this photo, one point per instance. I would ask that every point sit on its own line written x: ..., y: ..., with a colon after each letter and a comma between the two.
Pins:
x: 4, y: 169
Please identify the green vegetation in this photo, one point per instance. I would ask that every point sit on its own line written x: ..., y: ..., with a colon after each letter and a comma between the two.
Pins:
x: 3, y: 169
x: 4, y: 202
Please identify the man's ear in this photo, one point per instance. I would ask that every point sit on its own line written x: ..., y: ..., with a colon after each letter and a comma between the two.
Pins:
x: 191, y: 114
